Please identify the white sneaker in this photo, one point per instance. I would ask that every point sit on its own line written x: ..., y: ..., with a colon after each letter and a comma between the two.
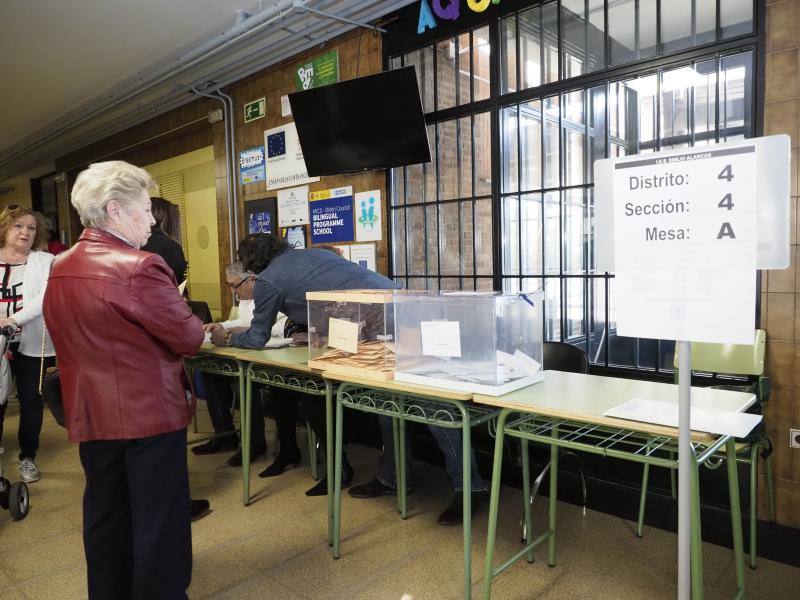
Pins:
x: 28, y: 470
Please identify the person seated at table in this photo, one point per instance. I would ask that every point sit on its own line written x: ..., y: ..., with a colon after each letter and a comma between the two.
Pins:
x: 285, y: 274
x: 219, y: 393
x: 449, y: 441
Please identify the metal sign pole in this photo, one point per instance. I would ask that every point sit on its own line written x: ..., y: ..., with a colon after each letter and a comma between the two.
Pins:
x: 684, y: 473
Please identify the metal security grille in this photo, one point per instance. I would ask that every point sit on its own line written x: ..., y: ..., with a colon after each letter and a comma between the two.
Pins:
x: 519, y: 108
x: 171, y: 188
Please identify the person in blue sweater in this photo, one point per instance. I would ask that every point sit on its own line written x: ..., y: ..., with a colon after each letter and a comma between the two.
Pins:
x: 285, y: 274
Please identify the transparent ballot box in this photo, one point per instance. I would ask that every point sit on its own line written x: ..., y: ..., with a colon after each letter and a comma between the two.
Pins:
x: 352, y: 332
x: 482, y: 342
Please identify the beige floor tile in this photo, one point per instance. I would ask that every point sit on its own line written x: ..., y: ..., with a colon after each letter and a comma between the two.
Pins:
x: 276, y: 547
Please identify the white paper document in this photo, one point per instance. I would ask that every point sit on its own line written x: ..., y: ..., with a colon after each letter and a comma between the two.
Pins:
x: 441, y: 338
x: 343, y: 335
x: 720, y: 422
x: 293, y: 206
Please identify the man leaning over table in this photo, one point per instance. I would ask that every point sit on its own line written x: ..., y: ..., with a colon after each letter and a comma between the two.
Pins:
x: 219, y: 393
x: 284, y: 275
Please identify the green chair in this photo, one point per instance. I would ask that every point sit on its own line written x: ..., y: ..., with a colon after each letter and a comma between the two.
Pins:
x: 744, y: 361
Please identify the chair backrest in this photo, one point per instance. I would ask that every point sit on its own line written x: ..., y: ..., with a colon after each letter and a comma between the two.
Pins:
x: 729, y: 359
x: 559, y: 356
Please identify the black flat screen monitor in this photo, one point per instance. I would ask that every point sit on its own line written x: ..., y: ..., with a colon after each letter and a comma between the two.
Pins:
x: 372, y: 122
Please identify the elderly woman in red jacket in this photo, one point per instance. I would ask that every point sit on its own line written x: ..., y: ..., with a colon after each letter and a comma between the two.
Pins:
x: 120, y: 328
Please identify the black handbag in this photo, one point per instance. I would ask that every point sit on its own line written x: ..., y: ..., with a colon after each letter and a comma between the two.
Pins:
x: 51, y: 393
x: 50, y: 386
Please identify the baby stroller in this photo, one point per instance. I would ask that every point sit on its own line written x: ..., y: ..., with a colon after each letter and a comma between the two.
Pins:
x: 13, y: 496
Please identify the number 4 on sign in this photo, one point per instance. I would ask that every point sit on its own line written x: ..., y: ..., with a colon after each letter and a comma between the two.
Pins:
x: 726, y: 202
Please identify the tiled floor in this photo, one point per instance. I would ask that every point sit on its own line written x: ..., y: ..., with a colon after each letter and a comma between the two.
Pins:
x: 276, y: 547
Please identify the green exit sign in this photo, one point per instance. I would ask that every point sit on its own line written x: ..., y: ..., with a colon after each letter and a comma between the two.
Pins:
x: 255, y: 110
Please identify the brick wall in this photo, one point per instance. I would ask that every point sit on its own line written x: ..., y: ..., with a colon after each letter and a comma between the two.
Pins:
x: 780, y: 298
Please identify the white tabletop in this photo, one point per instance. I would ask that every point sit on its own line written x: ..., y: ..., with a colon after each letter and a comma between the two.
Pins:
x: 586, y: 397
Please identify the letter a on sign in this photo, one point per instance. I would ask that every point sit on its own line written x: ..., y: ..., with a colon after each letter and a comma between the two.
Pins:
x: 726, y: 231
x: 426, y: 20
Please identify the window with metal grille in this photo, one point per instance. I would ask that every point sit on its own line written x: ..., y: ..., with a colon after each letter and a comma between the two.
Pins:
x: 506, y: 203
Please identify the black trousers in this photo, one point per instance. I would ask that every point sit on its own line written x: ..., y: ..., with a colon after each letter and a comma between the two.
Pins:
x: 136, y: 531
x: 26, y: 371
x: 219, y: 397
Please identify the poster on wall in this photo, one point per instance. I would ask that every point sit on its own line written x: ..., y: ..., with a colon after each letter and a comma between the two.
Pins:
x: 293, y: 206
x: 368, y: 216
x: 331, y: 215
x: 285, y: 164
x: 295, y: 236
x: 320, y: 70
x: 363, y: 255
x: 260, y: 215
x: 252, y: 165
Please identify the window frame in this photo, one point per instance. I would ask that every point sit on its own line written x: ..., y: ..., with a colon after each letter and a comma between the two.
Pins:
x: 497, y: 101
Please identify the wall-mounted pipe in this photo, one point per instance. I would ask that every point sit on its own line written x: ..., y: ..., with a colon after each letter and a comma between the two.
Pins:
x: 234, y: 162
x: 228, y: 171
x: 109, y: 123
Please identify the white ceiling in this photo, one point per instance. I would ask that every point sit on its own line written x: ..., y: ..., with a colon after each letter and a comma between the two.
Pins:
x: 65, y: 60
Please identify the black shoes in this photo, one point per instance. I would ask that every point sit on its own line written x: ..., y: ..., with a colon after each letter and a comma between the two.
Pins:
x: 198, y: 509
x: 284, y: 461
x: 454, y: 514
x: 373, y: 489
x: 217, y: 445
x: 255, y: 452
x: 321, y: 489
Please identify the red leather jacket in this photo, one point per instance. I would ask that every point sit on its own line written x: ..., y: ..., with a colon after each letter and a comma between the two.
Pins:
x: 119, y: 327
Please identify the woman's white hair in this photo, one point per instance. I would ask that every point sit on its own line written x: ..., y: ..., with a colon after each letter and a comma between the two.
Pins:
x: 106, y: 181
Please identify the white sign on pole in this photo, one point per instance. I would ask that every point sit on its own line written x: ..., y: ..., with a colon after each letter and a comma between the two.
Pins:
x: 285, y: 164
x: 685, y: 227
x: 293, y: 206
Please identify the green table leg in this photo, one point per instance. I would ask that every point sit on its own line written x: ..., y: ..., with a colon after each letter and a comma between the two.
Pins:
x: 400, y: 474
x: 642, y: 500
x: 526, y: 495
x: 329, y: 455
x: 696, y: 532
x: 466, y: 451
x: 553, y: 500
x: 770, y: 489
x: 245, y: 413
x: 736, y: 515
x: 397, y: 463
x: 753, y: 501
x: 673, y: 483
x: 337, y: 476
x: 494, y: 502
x: 312, y: 452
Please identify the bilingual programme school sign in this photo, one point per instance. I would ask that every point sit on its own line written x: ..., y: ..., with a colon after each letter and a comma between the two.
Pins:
x: 332, y: 216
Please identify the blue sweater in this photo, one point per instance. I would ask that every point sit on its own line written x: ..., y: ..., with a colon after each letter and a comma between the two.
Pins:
x: 282, y: 286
